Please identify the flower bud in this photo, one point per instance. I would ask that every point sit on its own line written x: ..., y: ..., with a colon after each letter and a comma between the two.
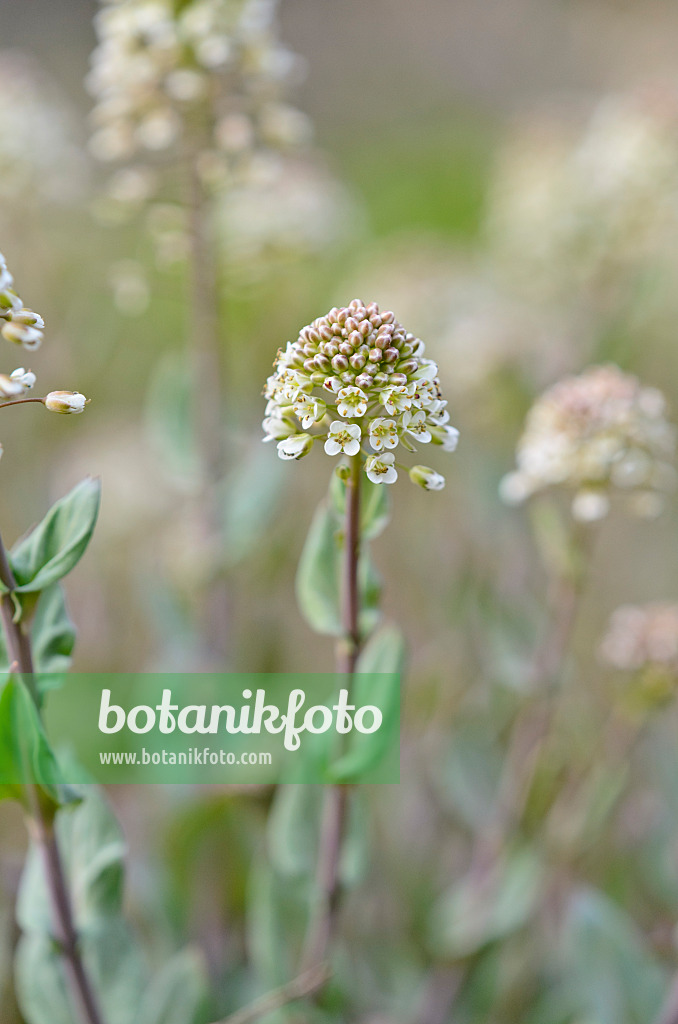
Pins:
x: 427, y: 478
x: 65, y: 402
x: 29, y: 318
x: 343, y: 471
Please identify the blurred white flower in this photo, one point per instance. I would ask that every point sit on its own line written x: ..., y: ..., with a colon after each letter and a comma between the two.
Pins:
x: 595, y: 433
x: 642, y: 636
x: 39, y: 152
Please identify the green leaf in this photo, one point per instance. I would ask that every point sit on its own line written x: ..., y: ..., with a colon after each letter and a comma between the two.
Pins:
x: 318, y: 579
x: 169, y: 419
x: 40, y: 981
x: 609, y: 969
x: 378, y: 682
x: 249, y: 498
x: 488, y: 907
x: 277, y: 911
x: 52, y: 637
x: 52, y: 632
x: 25, y: 754
x: 374, y: 505
x: 92, y: 851
x: 178, y: 992
x: 55, y: 546
x: 293, y: 829
x: 318, y: 583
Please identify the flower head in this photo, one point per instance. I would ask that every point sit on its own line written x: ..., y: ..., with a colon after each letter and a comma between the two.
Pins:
x: 595, y: 434
x: 162, y: 67
x: 364, y: 364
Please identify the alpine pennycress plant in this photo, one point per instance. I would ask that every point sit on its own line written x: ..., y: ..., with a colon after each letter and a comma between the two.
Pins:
x: 356, y: 381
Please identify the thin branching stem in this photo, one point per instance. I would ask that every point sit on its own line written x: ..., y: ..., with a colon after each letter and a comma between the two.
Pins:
x: 299, y: 988
x: 41, y: 822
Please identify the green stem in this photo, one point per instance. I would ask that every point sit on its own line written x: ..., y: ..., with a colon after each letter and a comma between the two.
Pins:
x: 328, y: 883
x: 41, y: 823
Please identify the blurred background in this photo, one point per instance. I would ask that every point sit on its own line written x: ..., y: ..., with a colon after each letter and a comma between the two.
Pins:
x: 504, y: 176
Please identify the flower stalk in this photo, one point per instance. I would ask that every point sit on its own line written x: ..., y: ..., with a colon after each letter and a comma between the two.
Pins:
x: 328, y: 882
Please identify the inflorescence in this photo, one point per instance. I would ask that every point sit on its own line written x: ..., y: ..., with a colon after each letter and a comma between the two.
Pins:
x: 356, y: 380
x: 24, y: 327
x: 596, y: 434
x: 166, y: 71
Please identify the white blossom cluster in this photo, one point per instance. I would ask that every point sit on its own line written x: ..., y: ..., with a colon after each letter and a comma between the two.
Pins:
x: 586, y: 207
x: 38, y: 154
x: 24, y: 327
x: 596, y: 433
x: 206, y: 73
x: 642, y: 636
x: 357, y: 381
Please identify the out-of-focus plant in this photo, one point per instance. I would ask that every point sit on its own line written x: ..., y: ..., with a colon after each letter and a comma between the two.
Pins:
x: 39, y: 158
x: 597, y: 434
x: 76, y: 960
x: 557, y: 769
x: 37, y: 638
x: 191, y: 113
x: 357, y: 383
x: 584, y: 218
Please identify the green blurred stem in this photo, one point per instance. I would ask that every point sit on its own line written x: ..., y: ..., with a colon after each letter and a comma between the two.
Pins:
x: 41, y: 822
x: 205, y: 341
x: 669, y: 1011
x: 328, y: 883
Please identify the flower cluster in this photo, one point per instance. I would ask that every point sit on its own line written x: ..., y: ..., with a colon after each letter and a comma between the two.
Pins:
x: 356, y: 380
x: 39, y: 157
x: 575, y: 209
x: 209, y: 68
x: 24, y: 327
x: 642, y: 636
x: 21, y: 325
x: 596, y: 433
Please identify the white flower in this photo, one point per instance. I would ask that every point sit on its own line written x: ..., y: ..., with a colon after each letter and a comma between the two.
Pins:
x: 397, y: 399
x: 65, y: 402
x: 343, y: 437
x: 309, y: 410
x: 277, y: 428
x: 351, y: 402
x: 415, y: 424
x: 23, y: 377
x: 380, y: 469
x: 9, y: 388
x: 446, y: 436
x: 22, y: 334
x: 295, y: 447
x: 383, y: 434
x: 590, y: 506
x: 427, y: 478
